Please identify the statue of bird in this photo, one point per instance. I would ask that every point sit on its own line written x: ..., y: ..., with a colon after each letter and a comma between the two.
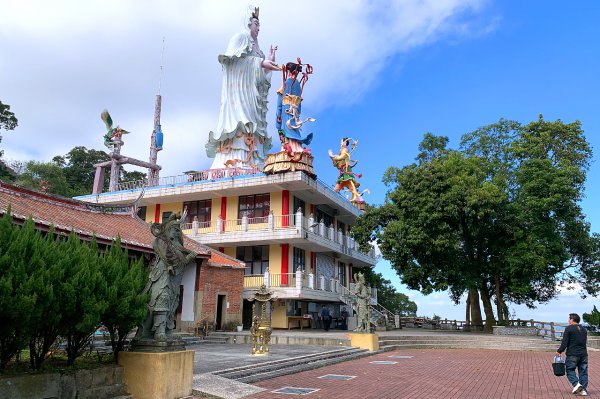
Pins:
x: 112, y: 134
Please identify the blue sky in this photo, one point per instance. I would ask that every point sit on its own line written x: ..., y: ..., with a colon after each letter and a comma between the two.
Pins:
x: 385, y: 73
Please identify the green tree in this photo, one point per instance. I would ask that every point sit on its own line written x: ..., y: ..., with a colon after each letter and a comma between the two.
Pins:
x: 16, y: 300
x: 593, y: 318
x: 498, y: 219
x: 47, y: 282
x: 8, y: 121
x: 78, y: 168
x: 82, y: 296
x: 127, y: 306
x: 45, y: 176
x: 387, y: 296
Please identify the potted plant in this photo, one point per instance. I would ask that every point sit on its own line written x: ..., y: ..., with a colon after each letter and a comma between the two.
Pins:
x: 240, y: 328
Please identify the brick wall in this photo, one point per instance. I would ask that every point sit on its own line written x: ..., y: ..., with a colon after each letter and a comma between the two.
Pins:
x: 216, y: 281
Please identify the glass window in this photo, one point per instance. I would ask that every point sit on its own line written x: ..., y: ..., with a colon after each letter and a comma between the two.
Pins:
x: 256, y: 258
x: 299, y: 257
x: 200, y: 209
x: 142, y: 212
x: 256, y: 207
x: 166, y: 216
x: 342, y: 273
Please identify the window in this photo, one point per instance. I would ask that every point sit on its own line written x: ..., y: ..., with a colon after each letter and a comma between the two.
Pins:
x: 141, y: 212
x: 166, y: 216
x: 200, y: 209
x: 256, y: 207
x: 299, y: 257
x: 298, y: 203
x: 327, y: 218
x: 256, y: 258
x: 342, y: 273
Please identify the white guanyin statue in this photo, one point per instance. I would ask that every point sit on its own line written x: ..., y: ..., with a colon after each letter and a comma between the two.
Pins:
x: 241, y: 139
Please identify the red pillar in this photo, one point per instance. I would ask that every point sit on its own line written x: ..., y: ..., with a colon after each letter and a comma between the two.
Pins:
x: 285, y: 208
x: 157, y: 214
x: 223, y: 211
x: 285, y: 265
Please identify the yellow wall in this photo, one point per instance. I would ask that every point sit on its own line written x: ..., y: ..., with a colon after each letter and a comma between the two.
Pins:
x: 215, y: 209
x: 232, y: 208
x: 278, y: 317
x: 230, y: 251
x: 175, y: 207
x: 150, y: 211
x: 275, y: 258
x: 276, y: 202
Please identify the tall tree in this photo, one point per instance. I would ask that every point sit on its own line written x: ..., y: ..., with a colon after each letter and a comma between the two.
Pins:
x: 498, y: 219
x: 78, y: 168
x: 44, y: 176
x: 127, y: 305
x: 8, y: 120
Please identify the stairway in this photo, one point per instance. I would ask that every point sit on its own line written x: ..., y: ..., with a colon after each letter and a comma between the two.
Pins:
x: 470, y: 341
x: 263, y: 371
x: 213, y: 338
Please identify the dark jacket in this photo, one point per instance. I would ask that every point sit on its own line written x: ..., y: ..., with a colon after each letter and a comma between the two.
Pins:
x: 574, y: 341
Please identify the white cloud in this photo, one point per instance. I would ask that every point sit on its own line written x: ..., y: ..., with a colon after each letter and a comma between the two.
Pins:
x: 64, y: 61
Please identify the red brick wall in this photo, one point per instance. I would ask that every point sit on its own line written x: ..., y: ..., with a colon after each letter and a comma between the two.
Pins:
x: 216, y: 281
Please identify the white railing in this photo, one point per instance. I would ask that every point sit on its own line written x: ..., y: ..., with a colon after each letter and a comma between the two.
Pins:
x: 211, y: 174
x: 298, y: 280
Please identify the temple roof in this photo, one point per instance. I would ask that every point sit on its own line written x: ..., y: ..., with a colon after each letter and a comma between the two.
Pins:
x: 87, y: 220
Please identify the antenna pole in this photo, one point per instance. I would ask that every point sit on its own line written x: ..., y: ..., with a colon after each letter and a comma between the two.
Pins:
x: 153, y: 173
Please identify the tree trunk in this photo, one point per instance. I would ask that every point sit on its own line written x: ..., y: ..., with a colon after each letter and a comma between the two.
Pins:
x: 499, y: 301
x: 476, y: 321
x: 468, y: 308
x: 488, y: 309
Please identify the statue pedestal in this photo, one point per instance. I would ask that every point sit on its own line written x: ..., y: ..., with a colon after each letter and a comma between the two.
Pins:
x: 363, y: 341
x: 158, y: 375
x: 281, y: 162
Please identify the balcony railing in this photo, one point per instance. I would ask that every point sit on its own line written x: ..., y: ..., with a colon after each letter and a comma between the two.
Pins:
x: 301, y: 281
x: 296, y: 221
x: 211, y: 174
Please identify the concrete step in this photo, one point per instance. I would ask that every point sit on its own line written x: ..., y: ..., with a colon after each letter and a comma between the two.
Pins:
x: 262, y: 371
x: 467, y: 342
x: 305, y: 366
x: 199, y: 340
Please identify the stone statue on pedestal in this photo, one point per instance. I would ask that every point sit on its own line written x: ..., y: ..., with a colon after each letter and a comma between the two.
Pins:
x: 363, y: 311
x: 163, y: 286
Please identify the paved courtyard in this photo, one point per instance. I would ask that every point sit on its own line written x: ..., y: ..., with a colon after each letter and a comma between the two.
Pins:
x: 437, y: 373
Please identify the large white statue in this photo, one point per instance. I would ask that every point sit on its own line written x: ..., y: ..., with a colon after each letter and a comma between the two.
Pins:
x: 241, y: 139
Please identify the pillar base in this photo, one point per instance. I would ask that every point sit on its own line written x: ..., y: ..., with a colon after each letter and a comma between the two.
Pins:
x: 363, y: 341
x: 158, y: 375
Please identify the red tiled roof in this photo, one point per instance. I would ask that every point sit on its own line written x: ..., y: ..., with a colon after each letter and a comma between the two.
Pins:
x: 66, y: 214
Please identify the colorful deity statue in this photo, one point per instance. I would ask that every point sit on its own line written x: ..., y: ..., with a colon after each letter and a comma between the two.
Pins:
x: 241, y: 138
x: 113, y: 135
x: 347, y: 178
x: 289, y: 107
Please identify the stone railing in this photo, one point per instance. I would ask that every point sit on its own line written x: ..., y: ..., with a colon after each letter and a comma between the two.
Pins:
x: 298, y: 280
x: 295, y: 221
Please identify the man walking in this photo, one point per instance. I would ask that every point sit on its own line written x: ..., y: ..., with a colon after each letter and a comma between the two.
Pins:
x: 575, y: 342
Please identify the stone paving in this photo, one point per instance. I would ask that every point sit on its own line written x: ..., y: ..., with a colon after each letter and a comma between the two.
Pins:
x: 437, y: 373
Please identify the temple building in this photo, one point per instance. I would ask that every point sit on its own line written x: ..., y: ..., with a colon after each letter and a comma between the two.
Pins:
x: 291, y: 230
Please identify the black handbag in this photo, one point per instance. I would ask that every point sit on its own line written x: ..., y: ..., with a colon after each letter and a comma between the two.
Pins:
x: 558, y: 366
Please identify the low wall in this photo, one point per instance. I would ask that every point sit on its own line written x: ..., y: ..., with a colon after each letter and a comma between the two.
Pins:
x: 104, y: 382
x: 511, y: 330
x: 593, y: 341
